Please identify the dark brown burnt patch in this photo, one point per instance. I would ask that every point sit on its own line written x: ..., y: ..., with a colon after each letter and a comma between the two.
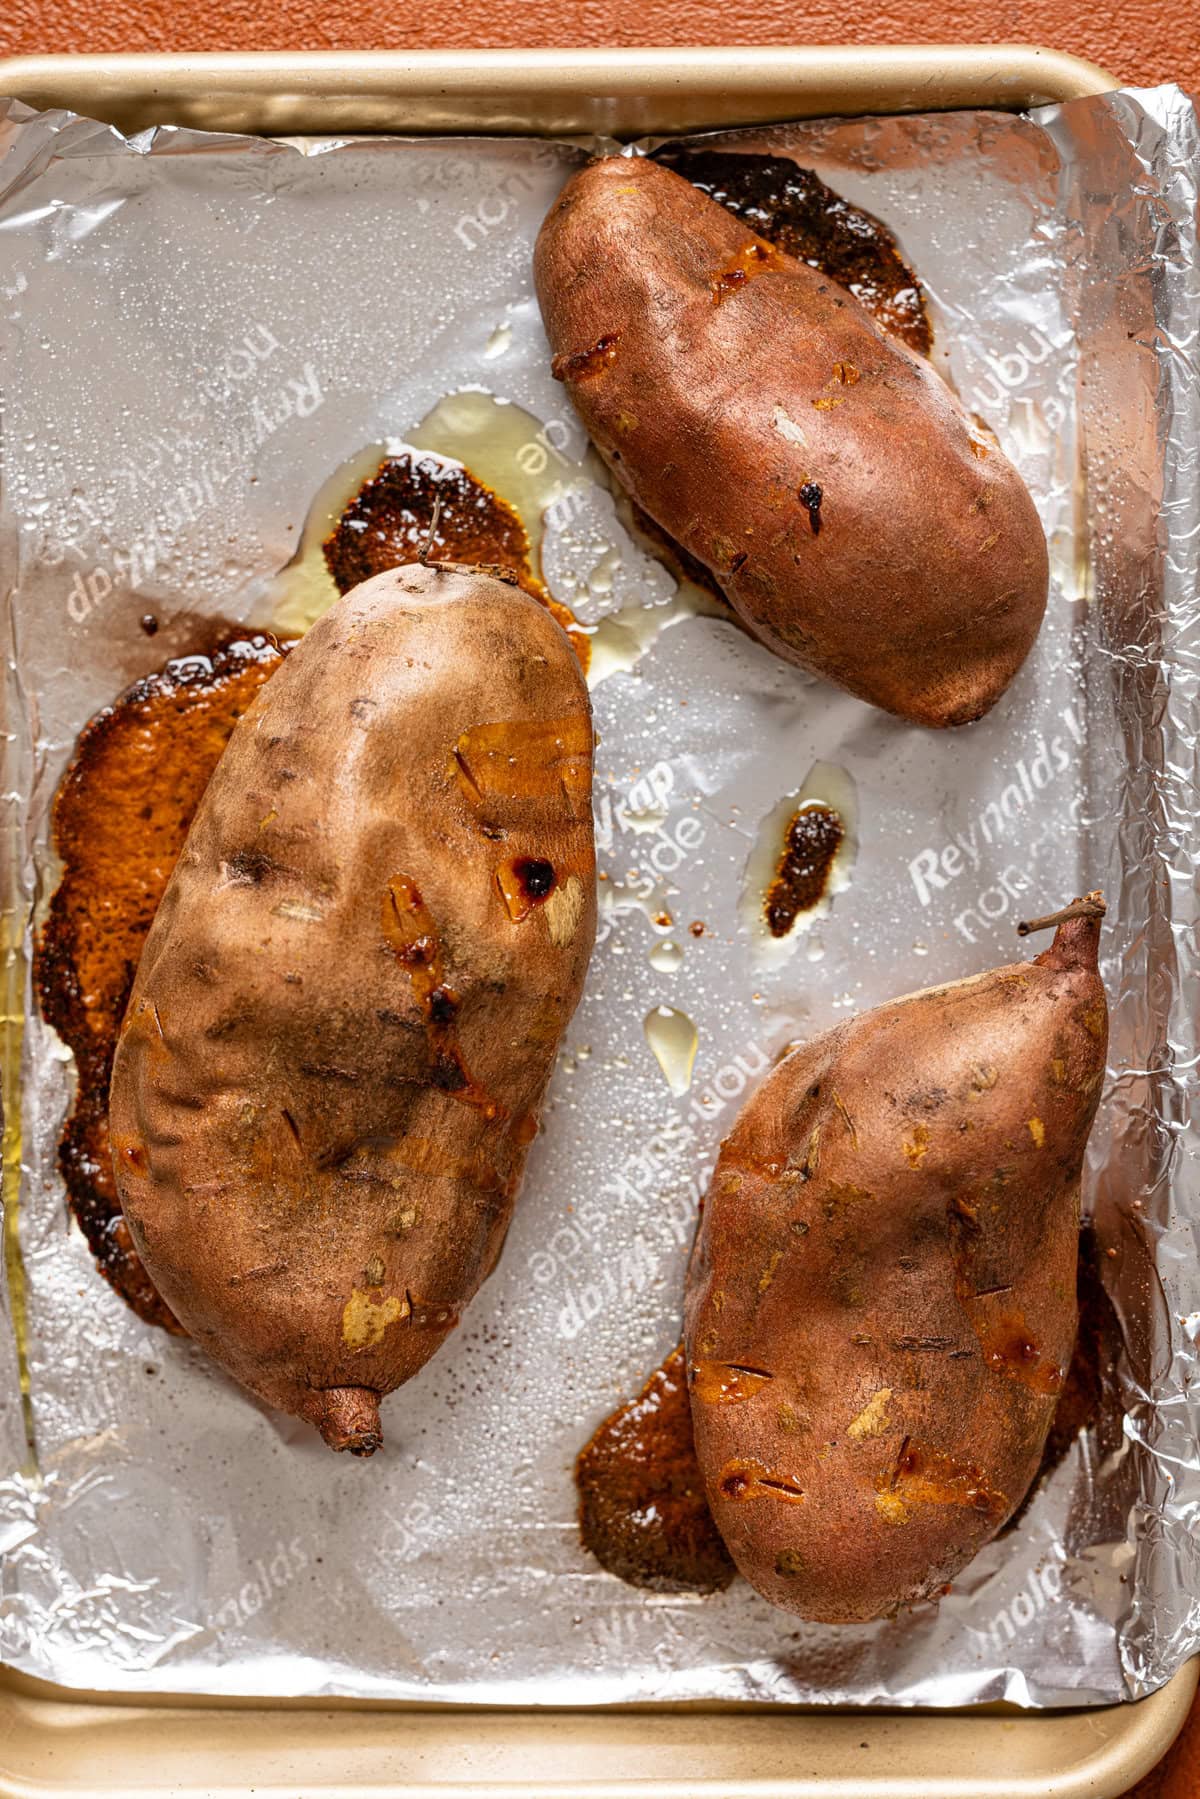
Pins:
x: 810, y: 848
x: 795, y: 211
x: 423, y: 506
x: 120, y: 817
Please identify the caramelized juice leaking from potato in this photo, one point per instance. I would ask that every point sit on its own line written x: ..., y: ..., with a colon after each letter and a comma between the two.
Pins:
x: 642, y: 1509
x: 471, y: 485
x: 14, y: 1264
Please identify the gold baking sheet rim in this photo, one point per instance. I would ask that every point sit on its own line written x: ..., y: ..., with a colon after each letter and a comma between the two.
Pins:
x: 59, y: 1744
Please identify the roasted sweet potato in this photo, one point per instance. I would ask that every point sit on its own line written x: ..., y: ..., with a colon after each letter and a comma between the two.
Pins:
x: 881, y: 1301
x: 349, y: 1003
x: 853, y: 515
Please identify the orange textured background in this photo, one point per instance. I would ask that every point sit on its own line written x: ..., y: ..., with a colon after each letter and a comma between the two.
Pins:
x: 1139, y: 41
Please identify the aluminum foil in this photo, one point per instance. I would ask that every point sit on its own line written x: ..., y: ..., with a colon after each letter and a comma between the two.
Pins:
x: 194, y: 331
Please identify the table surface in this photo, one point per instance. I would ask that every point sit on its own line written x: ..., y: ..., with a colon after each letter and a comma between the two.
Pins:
x: 1139, y: 41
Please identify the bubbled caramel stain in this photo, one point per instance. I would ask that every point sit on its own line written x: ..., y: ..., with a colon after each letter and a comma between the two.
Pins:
x: 391, y: 520
x: 642, y: 1509
x: 120, y: 817
x: 795, y: 211
x: 810, y: 848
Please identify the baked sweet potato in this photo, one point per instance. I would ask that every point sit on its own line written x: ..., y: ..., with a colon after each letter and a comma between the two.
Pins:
x: 853, y: 515
x: 881, y: 1301
x: 350, y: 1000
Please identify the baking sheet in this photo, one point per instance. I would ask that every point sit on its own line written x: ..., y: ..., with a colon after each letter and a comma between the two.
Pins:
x: 266, y: 311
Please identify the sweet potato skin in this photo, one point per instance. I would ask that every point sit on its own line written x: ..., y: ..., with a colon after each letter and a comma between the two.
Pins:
x: 881, y: 1300
x: 350, y: 1001
x: 858, y: 522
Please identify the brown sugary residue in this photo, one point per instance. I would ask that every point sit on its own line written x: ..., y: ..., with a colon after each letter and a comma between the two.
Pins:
x: 794, y: 210
x: 390, y: 521
x: 813, y: 839
x: 642, y: 1509
x: 120, y: 817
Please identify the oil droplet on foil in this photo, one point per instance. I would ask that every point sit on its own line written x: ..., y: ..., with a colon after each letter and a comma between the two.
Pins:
x: 673, y: 1038
x: 497, y: 441
x: 621, y: 640
x: 509, y: 451
x: 498, y: 342
x: 832, y: 789
x: 304, y: 588
x: 666, y: 957
x: 618, y: 899
x: 644, y: 822
x: 472, y: 429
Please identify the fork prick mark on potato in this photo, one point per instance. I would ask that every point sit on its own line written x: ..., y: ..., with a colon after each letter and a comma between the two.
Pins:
x: 335, y: 1016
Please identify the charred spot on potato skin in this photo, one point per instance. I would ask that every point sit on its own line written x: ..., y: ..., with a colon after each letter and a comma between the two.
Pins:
x: 121, y: 813
x: 811, y: 496
x: 535, y: 875
x: 525, y: 882
x: 251, y: 867
x: 813, y: 839
x: 411, y: 933
x: 443, y: 1005
x: 585, y: 365
x: 448, y: 1075
x: 642, y: 1507
x: 793, y: 209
